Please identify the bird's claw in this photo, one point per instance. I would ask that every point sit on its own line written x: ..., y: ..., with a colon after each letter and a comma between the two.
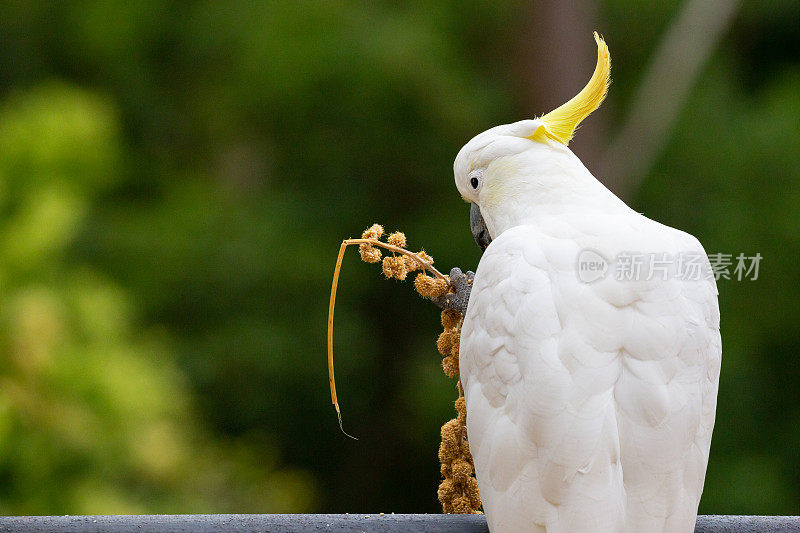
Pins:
x: 461, y: 286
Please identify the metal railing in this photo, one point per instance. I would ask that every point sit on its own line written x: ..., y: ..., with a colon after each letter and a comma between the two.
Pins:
x: 368, y: 523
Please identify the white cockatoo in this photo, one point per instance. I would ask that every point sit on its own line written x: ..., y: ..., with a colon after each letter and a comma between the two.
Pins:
x: 590, y: 348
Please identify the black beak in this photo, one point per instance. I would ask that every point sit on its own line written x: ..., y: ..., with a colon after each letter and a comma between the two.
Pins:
x: 478, y: 226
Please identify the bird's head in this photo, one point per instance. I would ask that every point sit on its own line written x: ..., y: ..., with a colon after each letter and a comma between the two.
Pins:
x: 507, y: 170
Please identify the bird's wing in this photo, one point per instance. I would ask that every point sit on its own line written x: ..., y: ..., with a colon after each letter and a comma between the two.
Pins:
x: 666, y: 396
x: 541, y: 418
x: 583, y: 399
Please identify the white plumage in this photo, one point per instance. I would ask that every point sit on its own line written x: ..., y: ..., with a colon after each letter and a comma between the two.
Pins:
x: 590, y: 406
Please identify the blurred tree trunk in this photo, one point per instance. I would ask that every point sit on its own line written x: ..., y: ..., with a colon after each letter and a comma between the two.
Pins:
x: 555, y: 57
x: 688, y: 43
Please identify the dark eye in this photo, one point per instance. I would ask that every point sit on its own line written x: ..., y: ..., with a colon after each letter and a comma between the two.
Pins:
x: 474, y: 182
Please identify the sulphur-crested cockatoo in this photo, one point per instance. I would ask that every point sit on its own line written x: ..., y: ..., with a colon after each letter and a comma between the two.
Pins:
x: 590, y: 348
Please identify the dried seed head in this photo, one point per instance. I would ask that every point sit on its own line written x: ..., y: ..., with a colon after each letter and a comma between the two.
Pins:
x: 388, y: 267
x: 461, y: 471
x: 369, y: 253
x: 425, y: 257
x: 397, y: 238
x: 450, y: 318
x: 440, y: 286
x: 394, y: 267
x: 465, y: 452
x: 430, y: 287
x: 456, y: 343
x: 445, y: 342
x: 461, y: 406
x: 448, y: 450
x: 446, y: 491
x: 449, y: 434
x: 450, y: 366
x: 424, y: 285
x: 461, y: 505
x: 471, y: 490
x: 411, y: 263
x: 415, y: 263
x: 375, y: 231
x: 458, y: 492
x: 462, y: 419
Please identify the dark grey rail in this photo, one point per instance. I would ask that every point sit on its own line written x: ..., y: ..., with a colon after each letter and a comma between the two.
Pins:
x: 368, y: 523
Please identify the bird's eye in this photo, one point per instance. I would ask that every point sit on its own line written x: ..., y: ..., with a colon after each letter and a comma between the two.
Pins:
x: 475, y: 179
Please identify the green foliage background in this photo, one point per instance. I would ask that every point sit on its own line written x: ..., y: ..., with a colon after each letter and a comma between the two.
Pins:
x: 175, y: 179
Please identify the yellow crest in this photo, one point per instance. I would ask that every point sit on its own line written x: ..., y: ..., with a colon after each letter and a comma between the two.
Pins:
x: 560, y: 124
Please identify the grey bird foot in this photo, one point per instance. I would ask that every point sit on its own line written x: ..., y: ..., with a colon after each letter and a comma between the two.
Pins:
x: 461, y: 285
